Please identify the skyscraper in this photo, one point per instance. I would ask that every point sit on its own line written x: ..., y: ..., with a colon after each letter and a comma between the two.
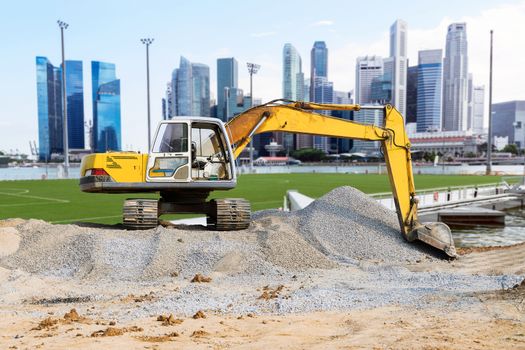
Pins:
x: 478, y: 107
x: 368, y: 69
x: 321, y: 90
x: 190, y: 89
x: 227, y: 77
x: 106, y: 107
x: 411, y: 112
x: 293, y: 76
x: 50, y: 112
x: 429, y: 78
x: 50, y: 125
x: 75, y: 104
x: 201, y: 89
x: 293, y: 88
x: 398, y: 64
x: 508, y: 120
x: 455, y: 79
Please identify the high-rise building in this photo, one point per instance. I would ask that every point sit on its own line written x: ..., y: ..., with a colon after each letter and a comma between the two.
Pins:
x: 201, y: 90
x: 397, y: 64
x: 455, y: 79
x: 470, y: 102
x: 411, y: 112
x: 190, y: 89
x: 293, y: 89
x: 167, y: 103
x: 50, y: 110
x: 106, y: 107
x: 49, y: 98
x: 508, y: 120
x: 338, y: 145
x: 368, y: 70
x: 293, y: 76
x: 182, y: 88
x: 75, y: 104
x: 321, y: 90
x: 478, y: 107
x: 429, y: 90
x: 227, y: 78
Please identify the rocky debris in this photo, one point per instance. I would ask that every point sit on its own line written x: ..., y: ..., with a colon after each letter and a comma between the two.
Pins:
x: 114, y: 331
x: 198, y: 278
x: 169, y: 320
x: 199, y: 314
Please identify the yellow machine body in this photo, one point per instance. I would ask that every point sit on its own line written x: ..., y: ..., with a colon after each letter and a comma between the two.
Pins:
x: 131, y: 172
x: 120, y: 166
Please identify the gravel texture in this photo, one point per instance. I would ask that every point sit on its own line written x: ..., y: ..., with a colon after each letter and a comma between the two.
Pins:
x: 343, y: 251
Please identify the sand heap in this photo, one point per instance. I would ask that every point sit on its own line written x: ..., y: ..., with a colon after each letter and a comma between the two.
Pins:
x: 343, y: 226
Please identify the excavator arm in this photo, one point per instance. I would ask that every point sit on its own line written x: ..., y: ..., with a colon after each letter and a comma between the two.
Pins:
x: 298, y: 117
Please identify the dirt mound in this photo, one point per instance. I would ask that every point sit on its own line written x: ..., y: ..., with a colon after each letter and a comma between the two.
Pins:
x: 345, y: 225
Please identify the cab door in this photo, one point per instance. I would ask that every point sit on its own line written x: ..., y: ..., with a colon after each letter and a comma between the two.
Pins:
x: 170, y: 158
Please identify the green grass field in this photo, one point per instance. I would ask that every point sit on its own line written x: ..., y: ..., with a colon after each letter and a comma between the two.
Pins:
x: 61, y: 201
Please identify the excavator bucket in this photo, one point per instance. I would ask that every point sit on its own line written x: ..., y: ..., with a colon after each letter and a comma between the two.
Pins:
x: 436, y: 234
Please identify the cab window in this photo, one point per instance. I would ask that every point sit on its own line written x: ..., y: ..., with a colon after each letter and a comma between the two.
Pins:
x: 172, y: 138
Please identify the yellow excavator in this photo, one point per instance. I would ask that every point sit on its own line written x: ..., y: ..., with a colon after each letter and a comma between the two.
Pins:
x: 192, y: 156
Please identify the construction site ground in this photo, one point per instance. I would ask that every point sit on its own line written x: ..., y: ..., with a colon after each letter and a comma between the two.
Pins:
x: 336, y: 274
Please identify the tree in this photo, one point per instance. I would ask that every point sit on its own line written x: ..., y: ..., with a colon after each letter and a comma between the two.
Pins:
x: 308, y: 155
x: 511, y: 148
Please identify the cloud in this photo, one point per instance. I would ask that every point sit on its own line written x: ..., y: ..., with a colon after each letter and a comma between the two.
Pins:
x: 262, y: 34
x: 324, y: 22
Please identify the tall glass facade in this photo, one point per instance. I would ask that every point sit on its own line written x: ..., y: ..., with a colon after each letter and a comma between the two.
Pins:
x: 49, y: 98
x: 106, y: 107
x: 201, y: 90
x: 429, y: 77
x: 190, y: 92
x: 227, y: 77
x: 183, y: 88
x: 75, y: 104
x: 455, y: 79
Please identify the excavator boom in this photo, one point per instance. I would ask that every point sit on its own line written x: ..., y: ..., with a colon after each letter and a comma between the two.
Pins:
x: 298, y: 117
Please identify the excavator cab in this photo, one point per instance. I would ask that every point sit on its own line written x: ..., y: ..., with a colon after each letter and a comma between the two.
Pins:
x: 190, y: 150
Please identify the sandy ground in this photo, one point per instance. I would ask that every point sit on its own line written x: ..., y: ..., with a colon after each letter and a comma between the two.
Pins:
x: 469, y: 303
x: 496, y: 322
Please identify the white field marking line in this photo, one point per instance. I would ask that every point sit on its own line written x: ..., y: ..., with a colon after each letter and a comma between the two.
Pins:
x: 24, y: 204
x: 24, y: 195
x: 80, y: 219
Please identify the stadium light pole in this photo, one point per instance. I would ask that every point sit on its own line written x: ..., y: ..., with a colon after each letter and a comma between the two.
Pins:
x: 64, y: 25
x: 148, y: 42
x: 252, y: 69
x: 489, y: 139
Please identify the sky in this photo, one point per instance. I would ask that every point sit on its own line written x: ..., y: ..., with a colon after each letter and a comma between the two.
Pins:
x: 250, y: 31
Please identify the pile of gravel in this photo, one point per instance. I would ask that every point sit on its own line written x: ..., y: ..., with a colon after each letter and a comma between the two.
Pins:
x: 346, y: 224
x: 343, y: 226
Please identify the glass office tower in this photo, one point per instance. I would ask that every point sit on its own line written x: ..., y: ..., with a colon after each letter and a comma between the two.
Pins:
x: 106, y: 107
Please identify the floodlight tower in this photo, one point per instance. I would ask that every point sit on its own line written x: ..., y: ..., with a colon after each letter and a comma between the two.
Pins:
x: 64, y: 25
x: 148, y: 42
x: 252, y: 69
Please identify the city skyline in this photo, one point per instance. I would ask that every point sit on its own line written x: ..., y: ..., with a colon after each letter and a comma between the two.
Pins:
x: 346, y: 41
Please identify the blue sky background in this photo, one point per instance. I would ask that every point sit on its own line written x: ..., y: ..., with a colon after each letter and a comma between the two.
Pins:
x: 253, y: 31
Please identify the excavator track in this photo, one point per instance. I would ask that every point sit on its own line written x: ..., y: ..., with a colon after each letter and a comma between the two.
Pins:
x: 140, y: 214
x: 231, y: 214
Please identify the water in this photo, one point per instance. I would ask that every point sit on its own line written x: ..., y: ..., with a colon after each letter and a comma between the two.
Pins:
x: 512, y: 233
x: 37, y: 173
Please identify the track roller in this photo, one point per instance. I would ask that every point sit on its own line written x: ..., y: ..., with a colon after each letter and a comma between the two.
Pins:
x: 140, y: 214
x: 229, y: 214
